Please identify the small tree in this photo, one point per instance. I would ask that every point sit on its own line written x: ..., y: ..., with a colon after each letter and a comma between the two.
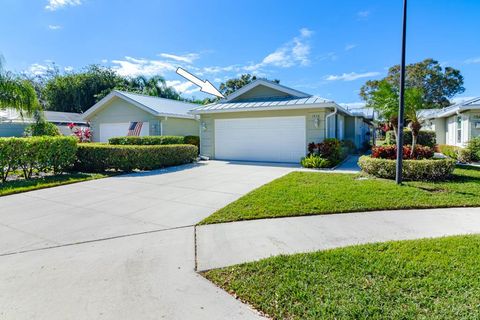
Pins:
x: 414, y: 102
x: 384, y: 100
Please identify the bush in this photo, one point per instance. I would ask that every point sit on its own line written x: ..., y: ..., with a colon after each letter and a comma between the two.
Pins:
x: 425, y: 138
x: 314, y: 161
x: 155, y: 140
x: 390, y: 152
x: 473, y: 148
x: 329, y: 149
x: 42, y: 128
x: 43, y: 154
x: 93, y: 157
x: 449, y: 151
x: 416, y: 170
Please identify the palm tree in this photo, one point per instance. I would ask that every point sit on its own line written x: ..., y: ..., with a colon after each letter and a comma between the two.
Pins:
x: 413, y: 104
x: 17, y: 93
x: 154, y: 86
x: 385, y: 101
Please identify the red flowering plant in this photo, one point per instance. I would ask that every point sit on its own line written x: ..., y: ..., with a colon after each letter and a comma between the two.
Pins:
x: 390, y: 152
x: 83, y: 134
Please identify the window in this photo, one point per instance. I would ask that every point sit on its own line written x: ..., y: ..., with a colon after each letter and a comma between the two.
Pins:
x: 459, y: 129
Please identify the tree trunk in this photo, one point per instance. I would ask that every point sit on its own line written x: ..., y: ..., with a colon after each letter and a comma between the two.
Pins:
x: 394, y: 124
x: 415, y: 126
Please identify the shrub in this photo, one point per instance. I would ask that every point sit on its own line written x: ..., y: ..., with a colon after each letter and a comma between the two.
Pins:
x: 95, y: 157
x: 449, y: 151
x: 473, y: 148
x: 43, y: 154
x: 314, y: 161
x: 155, y: 140
x: 425, y: 138
x: 416, y: 170
x: 390, y: 152
x: 329, y: 149
x: 42, y: 128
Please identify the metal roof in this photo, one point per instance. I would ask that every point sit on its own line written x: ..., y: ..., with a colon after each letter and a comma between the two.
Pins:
x: 273, y: 103
x: 55, y: 116
x: 154, y: 105
x: 465, y: 105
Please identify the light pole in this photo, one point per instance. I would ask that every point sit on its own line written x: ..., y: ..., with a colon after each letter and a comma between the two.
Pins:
x: 398, y: 176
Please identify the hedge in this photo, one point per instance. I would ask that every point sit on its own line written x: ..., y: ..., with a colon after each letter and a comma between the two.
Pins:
x: 43, y: 154
x: 155, y: 140
x: 93, y: 157
x: 425, y: 138
x: 449, y: 151
x: 416, y: 170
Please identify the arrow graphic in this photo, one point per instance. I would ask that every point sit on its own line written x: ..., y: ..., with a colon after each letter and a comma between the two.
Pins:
x: 205, y: 86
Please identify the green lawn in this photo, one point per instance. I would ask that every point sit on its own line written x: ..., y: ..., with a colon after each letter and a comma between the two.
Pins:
x: 422, y: 279
x: 308, y: 193
x: 19, y: 186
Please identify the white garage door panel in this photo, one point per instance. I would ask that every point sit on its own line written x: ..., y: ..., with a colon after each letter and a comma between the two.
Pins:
x: 110, y: 130
x: 277, y: 139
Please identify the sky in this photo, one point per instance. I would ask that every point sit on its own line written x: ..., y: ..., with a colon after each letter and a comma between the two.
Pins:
x: 328, y: 48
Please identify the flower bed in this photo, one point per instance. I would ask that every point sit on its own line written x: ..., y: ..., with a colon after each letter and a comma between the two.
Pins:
x: 390, y: 152
x: 325, y: 154
x: 416, y: 170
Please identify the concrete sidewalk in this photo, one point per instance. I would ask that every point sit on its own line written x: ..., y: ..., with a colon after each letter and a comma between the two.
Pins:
x: 221, y: 245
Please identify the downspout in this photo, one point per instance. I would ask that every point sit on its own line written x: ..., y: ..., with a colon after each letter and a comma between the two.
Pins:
x: 335, y: 111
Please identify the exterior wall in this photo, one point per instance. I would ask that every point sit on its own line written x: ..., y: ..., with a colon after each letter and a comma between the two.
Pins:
x: 261, y: 92
x: 440, y: 130
x: 179, y: 127
x: 121, y: 111
x: 350, y: 128
x: 453, y: 126
x: 8, y: 129
x: 207, y: 125
x: 474, y: 122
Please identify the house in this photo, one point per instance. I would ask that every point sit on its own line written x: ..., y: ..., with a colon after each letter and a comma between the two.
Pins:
x: 12, y: 124
x: 456, y: 124
x: 266, y: 121
x: 120, y: 111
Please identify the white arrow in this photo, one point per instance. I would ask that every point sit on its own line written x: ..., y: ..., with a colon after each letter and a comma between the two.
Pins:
x: 205, y: 86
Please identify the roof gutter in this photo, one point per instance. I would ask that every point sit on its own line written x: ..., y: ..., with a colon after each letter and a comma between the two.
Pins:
x: 335, y: 111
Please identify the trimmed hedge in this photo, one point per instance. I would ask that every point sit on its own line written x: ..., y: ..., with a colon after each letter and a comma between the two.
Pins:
x: 43, y: 154
x: 93, y: 157
x: 425, y: 138
x: 155, y: 140
x: 416, y: 170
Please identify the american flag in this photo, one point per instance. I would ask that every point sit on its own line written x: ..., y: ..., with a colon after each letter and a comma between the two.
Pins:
x: 134, y: 129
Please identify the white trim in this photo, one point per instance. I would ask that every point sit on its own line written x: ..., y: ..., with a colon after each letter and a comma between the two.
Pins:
x: 269, y: 84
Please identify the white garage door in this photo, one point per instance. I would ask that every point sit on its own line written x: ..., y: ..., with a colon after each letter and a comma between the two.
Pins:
x: 275, y: 139
x: 109, y: 130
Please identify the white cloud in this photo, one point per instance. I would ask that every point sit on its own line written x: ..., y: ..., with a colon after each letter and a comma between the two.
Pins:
x: 136, y: 67
x: 104, y: 60
x: 363, y: 14
x: 472, y: 60
x: 68, y: 69
x: 351, y: 76
x: 180, y: 86
x: 38, y: 69
x: 350, y: 47
x: 58, y: 4
x: 353, y: 105
x: 188, y: 58
x: 54, y: 27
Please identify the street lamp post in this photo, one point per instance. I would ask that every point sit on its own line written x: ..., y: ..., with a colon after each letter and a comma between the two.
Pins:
x: 398, y: 176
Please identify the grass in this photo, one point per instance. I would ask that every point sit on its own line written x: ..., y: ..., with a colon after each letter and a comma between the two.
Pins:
x: 309, y: 193
x: 421, y: 279
x: 18, y: 186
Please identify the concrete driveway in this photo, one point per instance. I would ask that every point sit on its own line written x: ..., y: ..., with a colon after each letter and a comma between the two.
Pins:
x: 119, y: 248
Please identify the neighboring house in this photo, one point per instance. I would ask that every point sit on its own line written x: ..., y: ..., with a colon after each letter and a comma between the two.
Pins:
x: 12, y: 124
x: 454, y: 125
x: 266, y: 121
x: 120, y: 111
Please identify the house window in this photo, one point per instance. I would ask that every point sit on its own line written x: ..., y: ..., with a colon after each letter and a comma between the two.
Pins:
x: 459, y: 129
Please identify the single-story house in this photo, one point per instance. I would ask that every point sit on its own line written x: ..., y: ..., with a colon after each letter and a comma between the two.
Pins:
x: 120, y: 112
x: 266, y: 121
x: 12, y: 124
x: 456, y: 124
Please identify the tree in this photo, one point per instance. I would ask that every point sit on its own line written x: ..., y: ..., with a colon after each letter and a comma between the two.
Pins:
x: 414, y: 102
x: 438, y: 84
x: 76, y: 92
x: 232, y: 85
x: 17, y: 93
